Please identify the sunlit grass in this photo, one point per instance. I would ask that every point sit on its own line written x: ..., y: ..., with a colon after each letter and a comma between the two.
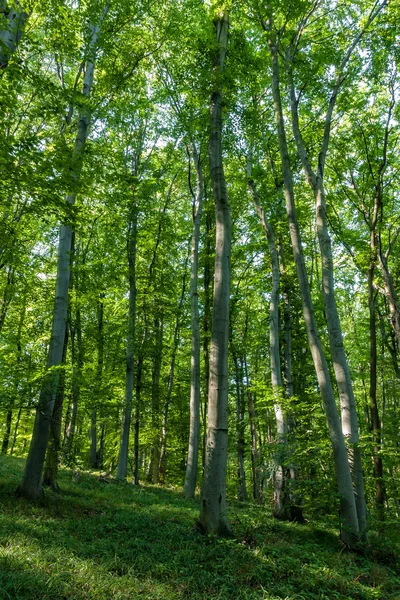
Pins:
x: 114, y: 541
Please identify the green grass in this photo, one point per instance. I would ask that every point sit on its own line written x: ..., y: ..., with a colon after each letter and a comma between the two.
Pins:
x: 114, y: 541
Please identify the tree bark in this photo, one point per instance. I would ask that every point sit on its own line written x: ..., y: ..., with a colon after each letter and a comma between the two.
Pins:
x: 375, y: 423
x: 240, y: 425
x: 213, y: 515
x: 12, y: 25
x: 342, y: 373
x: 126, y: 420
x: 31, y: 485
x: 350, y: 533
x: 194, y: 430
x: 53, y: 449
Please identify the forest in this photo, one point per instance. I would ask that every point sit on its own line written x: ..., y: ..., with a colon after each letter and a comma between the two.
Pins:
x: 199, y: 299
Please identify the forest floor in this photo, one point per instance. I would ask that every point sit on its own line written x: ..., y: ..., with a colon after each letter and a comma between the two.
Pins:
x: 101, y: 541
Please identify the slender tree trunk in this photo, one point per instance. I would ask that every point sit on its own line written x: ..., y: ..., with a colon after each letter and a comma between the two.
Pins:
x: 139, y: 371
x: 93, y: 450
x: 206, y: 331
x: 75, y: 328
x: 213, y: 515
x: 31, y: 485
x: 350, y: 532
x: 255, y: 467
x: 296, y: 512
x: 12, y: 25
x: 153, y: 474
x: 281, y: 498
x: 163, y: 454
x: 240, y: 425
x: 341, y: 368
x: 194, y: 430
x: 126, y: 420
x: 16, y: 430
x: 375, y: 423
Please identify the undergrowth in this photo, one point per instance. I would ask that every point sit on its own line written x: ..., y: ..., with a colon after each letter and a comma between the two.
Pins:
x: 101, y: 541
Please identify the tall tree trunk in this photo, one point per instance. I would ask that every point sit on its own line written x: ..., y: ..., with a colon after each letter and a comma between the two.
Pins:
x: 342, y: 373
x: 139, y: 371
x: 350, y: 533
x: 206, y: 330
x: 126, y: 420
x: 281, y: 497
x: 171, y: 376
x: 213, y: 515
x: 255, y: 467
x: 240, y: 425
x: 12, y: 25
x: 31, y: 484
x: 52, y: 455
x: 375, y: 423
x: 293, y: 471
x: 153, y: 474
x: 93, y: 450
x: 194, y: 430
x: 75, y: 328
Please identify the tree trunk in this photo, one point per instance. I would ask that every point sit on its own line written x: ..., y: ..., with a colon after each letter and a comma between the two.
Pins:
x: 126, y: 420
x: 350, y: 533
x: 194, y: 431
x: 206, y: 330
x: 139, y: 371
x: 31, y: 485
x: 375, y: 423
x: 213, y: 515
x: 12, y: 26
x: 52, y: 456
x: 153, y: 474
x: 240, y: 426
x: 163, y: 454
x: 281, y: 498
x: 341, y: 368
x: 93, y: 451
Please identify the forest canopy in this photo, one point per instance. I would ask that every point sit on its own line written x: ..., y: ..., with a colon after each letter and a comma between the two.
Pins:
x: 199, y: 250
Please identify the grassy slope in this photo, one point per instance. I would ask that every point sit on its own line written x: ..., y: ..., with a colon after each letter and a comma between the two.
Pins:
x: 113, y: 541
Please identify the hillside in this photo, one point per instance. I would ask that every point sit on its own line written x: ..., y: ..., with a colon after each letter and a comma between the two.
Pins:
x: 102, y: 540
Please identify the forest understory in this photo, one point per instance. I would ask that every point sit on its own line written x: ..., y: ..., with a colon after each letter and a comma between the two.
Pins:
x: 101, y: 540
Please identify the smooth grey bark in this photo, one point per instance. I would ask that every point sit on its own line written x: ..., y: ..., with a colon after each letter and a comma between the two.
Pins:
x: 12, y: 25
x: 281, y: 508
x: 153, y: 474
x: 350, y: 532
x: 31, y: 484
x: 375, y: 423
x: 75, y: 333
x: 213, y: 517
x: 240, y: 423
x: 136, y: 426
x: 94, y: 452
x: 130, y: 344
x: 255, y: 469
x: 171, y: 376
x: 207, y: 280
x: 349, y: 418
x: 194, y: 403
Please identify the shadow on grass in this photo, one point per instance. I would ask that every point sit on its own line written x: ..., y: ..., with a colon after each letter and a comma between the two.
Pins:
x: 103, y: 541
